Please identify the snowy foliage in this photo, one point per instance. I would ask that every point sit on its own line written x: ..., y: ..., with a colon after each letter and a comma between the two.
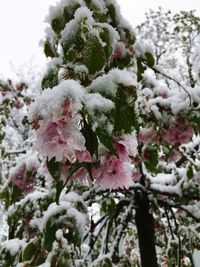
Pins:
x: 110, y: 148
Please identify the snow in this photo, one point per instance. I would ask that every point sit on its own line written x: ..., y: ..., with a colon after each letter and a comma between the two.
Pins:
x: 193, y: 209
x: 13, y: 245
x: 64, y: 206
x: 113, y: 34
x: 31, y: 198
x: 108, y: 83
x: 196, y: 258
x: 57, y: 10
x: 164, y: 179
x: 50, y: 101
x: 97, y: 103
x: 100, y: 5
x: 71, y: 197
x: 80, y: 69
x: 29, y: 160
x: 143, y: 47
x: 71, y: 28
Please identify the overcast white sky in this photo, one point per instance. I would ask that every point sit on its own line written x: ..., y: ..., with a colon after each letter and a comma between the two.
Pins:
x: 22, y: 27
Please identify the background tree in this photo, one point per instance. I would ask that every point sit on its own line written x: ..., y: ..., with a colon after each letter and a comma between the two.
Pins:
x: 117, y: 157
x: 175, y: 42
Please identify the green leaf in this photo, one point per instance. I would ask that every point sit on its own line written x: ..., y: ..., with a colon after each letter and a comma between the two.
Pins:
x: 59, y: 188
x: 50, y: 79
x: 108, y: 206
x: 58, y: 25
x: 49, y: 50
x: 112, y: 13
x: 153, y: 161
x: 125, y: 119
x: 54, y: 168
x: 150, y: 59
x: 93, y: 55
x: 91, y: 141
x: 16, y: 194
x: 105, y: 37
x: 7, y: 258
x: 49, y: 234
x: 106, y: 140
x: 190, y: 173
x: 29, y: 251
x: 140, y: 70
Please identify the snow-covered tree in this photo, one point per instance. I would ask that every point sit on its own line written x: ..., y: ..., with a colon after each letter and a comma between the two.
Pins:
x: 175, y: 39
x: 111, y: 169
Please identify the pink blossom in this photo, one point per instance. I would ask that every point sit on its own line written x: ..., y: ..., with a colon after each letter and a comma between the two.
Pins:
x: 126, y: 146
x: 83, y: 156
x: 136, y: 176
x: 23, y: 178
x: 68, y: 108
x: 60, y: 139
x: 80, y: 175
x: 118, y: 52
x: 146, y: 135
x: 114, y: 173
x: 178, y: 133
x: 58, y: 133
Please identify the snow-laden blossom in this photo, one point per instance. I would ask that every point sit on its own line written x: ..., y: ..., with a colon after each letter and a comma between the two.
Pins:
x: 58, y: 126
x: 119, y: 52
x: 129, y: 142
x: 60, y: 139
x: 116, y: 172
x: 23, y: 175
x: 178, y: 133
x: 146, y: 135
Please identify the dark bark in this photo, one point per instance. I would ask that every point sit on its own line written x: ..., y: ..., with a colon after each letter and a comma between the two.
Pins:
x: 145, y: 228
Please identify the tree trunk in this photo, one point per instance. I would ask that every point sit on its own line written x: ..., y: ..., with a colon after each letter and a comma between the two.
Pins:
x: 145, y: 228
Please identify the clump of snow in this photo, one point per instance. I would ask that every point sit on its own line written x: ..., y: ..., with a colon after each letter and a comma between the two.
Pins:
x: 71, y: 197
x: 72, y: 27
x: 50, y: 101
x: 97, y: 103
x: 113, y: 34
x: 32, y: 198
x: 100, y: 5
x: 80, y: 69
x: 70, y: 212
x: 108, y: 83
x: 13, y: 245
x: 143, y: 47
x: 57, y: 10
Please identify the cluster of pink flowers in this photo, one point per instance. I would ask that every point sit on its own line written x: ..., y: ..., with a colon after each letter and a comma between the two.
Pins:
x: 178, y: 133
x: 60, y: 136
x: 116, y: 172
x: 23, y: 175
x: 119, y: 52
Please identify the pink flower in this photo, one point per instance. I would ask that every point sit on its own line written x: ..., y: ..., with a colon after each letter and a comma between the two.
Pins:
x: 24, y: 177
x: 136, y: 176
x: 146, y: 134
x: 58, y: 133
x: 178, y: 133
x: 129, y: 143
x: 60, y: 139
x: 80, y: 175
x: 114, y: 173
x: 83, y: 156
x: 118, y: 53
